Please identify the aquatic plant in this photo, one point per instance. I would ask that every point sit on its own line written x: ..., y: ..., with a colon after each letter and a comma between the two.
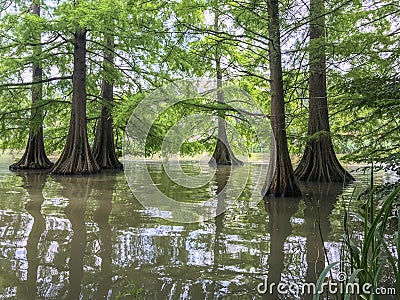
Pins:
x: 366, y: 253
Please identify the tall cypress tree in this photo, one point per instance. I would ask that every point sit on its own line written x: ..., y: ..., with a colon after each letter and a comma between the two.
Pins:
x: 104, y: 146
x: 35, y: 156
x: 319, y: 162
x: 283, y: 182
x: 223, y: 154
x: 77, y: 157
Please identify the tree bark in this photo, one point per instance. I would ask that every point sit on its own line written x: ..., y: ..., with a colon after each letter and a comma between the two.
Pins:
x: 319, y: 162
x: 35, y: 156
x: 283, y: 183
x: 104, y: 146
x: 77, y: 157
x: 223, y: 154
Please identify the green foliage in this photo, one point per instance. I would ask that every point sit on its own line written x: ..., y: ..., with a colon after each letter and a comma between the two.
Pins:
x: 373, y: 109
x: 157, y: 42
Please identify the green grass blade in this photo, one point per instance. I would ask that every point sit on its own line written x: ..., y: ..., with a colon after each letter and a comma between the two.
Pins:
x: 321, y: 278
x: 351, y: 280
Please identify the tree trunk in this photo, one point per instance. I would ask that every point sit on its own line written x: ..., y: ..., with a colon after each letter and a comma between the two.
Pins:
x: 77, y: 157
x: 103, y: 146
x: 319, y: 162
x: 223, y: 154
x: 283, y: 183
x: 35, y: 155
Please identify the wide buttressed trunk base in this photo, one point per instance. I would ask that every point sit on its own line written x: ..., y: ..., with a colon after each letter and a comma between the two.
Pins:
x: 283, y: 184
x: 77, y: 158
x: 320, y: 164
x: 281, y: 181
x: 35, y: 156
x: 103, y: 146
x: 223, y: 155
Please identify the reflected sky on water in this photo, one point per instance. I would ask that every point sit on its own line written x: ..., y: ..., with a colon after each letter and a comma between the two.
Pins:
x: 88, y: 237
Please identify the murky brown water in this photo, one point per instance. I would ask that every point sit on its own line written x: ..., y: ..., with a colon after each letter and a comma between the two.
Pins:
x: 89, y: 238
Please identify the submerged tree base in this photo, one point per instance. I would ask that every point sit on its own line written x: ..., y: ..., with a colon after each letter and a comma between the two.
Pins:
x: 34, y: 156
x: 76, y: 165
x: 77, y: 159
x: 103, y: 146
x: 223, y: 155
x: 107, y: 160
x: 320, y: 164
x: 283, y: 185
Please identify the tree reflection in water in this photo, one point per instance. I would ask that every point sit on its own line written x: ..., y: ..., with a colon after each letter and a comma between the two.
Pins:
x: 34, y: 184
x: 280, y: 212
x: 75, y: 252
x: 101, y: 216
x: 77, y: 190
x: 221, y: 178
x: 320, y: 200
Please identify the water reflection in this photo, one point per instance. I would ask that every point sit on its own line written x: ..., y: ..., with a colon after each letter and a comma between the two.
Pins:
x: 320, y: 200
x: 280, y: 212
x: 101, y: 216
x: 221, y: 178
x: 77, y: 190
x: 34, y: 184
x: 222, y: 175
x: 89, y: 238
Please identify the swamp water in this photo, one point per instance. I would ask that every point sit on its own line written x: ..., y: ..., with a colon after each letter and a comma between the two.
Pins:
x: 90, y: 238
